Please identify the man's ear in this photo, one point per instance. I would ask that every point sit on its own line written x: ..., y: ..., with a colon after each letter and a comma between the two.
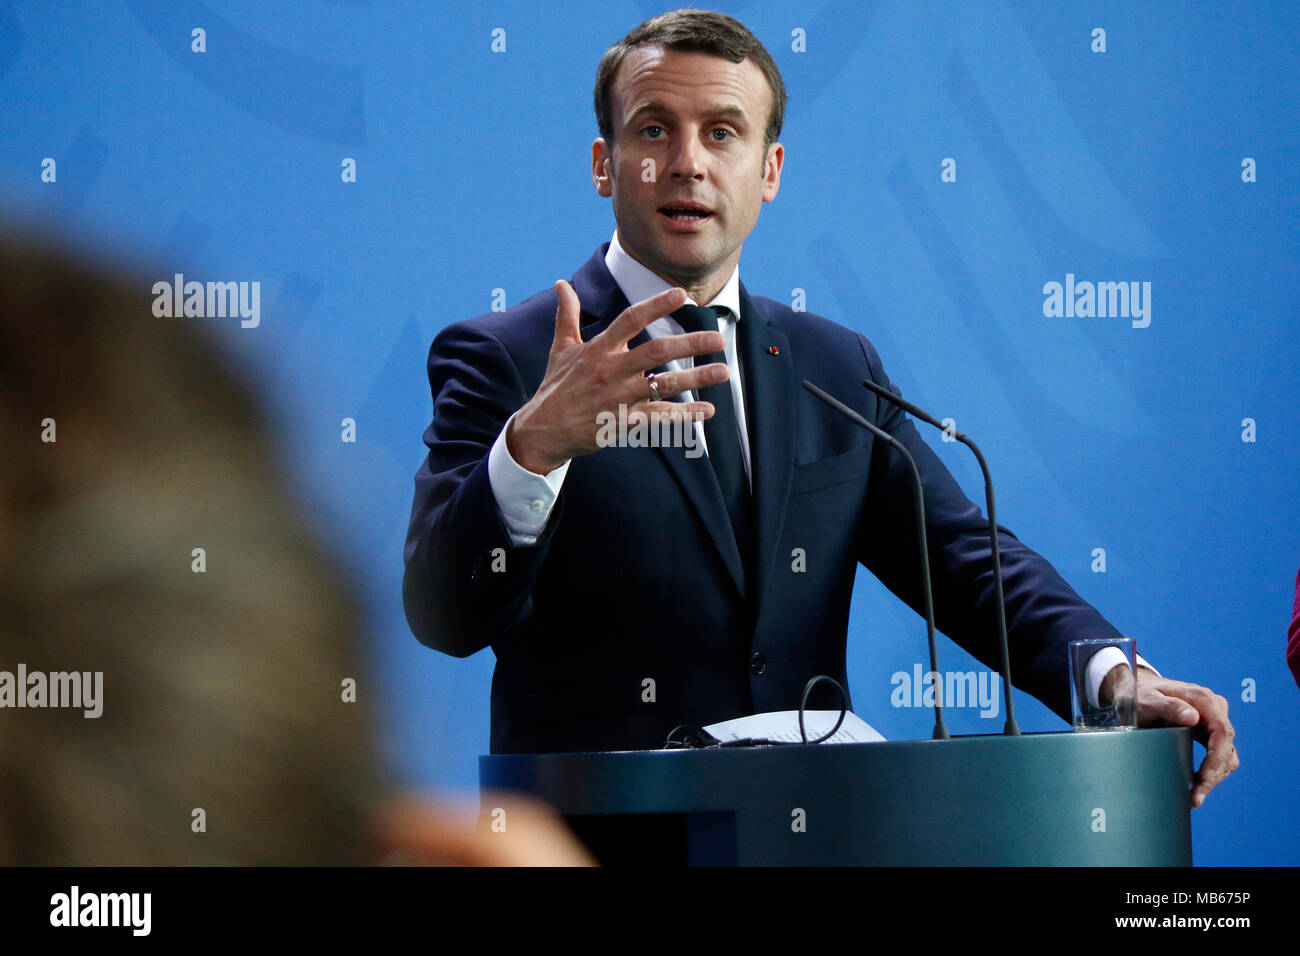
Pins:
x: 772, y: 171
x: 601, y: 162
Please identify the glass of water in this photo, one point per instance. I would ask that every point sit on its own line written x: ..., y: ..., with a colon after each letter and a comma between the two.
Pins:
x: 1090, y: 661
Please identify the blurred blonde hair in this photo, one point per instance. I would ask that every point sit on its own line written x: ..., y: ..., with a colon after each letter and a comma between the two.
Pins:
x: 221, y: 690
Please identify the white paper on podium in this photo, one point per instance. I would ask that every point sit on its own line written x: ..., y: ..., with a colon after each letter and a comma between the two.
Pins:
x: 783, y: 725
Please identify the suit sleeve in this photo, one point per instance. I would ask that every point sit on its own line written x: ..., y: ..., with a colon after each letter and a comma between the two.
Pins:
x: 466, y: 583
x: 1043, y: 612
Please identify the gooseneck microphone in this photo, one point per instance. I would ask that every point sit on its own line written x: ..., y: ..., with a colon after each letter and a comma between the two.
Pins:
x: 1011, y: 729
x: 940, y: 731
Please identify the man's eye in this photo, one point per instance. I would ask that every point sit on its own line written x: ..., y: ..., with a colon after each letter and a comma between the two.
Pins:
x: 726, y: 134
x: 649, y: 128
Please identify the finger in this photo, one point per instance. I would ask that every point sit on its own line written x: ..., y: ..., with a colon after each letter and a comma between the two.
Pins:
x: 666, y: 348
x: 674, y: 383
x: 1221, y: 757
x: 1160, y: 707
x: 567, y: 310
x: 636, y: 317
x: 685, y: 412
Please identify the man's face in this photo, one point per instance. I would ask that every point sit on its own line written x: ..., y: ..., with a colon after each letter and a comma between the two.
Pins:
x: 688, y: 129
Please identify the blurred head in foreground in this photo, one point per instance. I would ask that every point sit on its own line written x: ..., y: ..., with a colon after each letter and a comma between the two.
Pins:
x: 146, y: 536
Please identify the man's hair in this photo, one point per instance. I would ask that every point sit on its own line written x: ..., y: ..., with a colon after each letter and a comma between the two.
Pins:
x: 697, y: 31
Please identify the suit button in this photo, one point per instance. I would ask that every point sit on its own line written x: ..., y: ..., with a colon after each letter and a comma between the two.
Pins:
x: 757, y: 664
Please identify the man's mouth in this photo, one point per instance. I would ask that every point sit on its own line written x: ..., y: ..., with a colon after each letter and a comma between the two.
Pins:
x: 685, y: 212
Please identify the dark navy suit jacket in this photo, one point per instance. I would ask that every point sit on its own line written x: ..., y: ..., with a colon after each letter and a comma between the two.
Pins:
x: 637, y: 576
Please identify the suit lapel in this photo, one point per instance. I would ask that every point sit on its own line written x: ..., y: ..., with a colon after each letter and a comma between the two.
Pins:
x: 598, y: 294
x: 602, y: 300
x: 768, y: 372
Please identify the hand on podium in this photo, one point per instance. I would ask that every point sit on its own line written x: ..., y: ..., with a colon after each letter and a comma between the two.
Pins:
x: 1162, y: 702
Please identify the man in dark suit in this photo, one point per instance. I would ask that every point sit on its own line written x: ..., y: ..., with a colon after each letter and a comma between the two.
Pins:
x: 628, y: 590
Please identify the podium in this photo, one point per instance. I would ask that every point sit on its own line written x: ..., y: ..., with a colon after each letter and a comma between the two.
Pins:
x: 1115, y: 798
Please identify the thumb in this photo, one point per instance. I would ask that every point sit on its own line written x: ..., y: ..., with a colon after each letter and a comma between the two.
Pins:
x: 566, y: 316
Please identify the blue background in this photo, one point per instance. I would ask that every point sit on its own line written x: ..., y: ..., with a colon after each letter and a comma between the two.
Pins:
x: 473, y: 174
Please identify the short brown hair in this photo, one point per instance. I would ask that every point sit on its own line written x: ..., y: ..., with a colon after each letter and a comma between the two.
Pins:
x: 695, y: 30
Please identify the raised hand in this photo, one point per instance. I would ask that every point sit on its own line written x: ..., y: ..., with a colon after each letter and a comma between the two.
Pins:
x: 584, y: 379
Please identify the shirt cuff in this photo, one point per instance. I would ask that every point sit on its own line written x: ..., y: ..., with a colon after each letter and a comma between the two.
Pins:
x: 524, y: 499
x: 1100, y: 666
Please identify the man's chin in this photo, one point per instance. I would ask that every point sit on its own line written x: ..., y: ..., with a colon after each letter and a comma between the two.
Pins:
x: 686, y: 263
x: 681, y: 259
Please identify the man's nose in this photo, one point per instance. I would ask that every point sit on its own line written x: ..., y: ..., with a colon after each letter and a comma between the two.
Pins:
x: 687, y: 160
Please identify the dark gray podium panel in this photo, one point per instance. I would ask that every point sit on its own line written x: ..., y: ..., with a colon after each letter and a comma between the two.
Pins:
x: 1116, y: 798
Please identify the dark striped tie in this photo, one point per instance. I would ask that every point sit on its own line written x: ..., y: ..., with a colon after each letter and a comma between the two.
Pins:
x: 722, y: 431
